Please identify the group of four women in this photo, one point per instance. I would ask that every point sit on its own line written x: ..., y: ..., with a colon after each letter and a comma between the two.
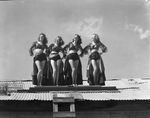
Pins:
x: 49, y: 68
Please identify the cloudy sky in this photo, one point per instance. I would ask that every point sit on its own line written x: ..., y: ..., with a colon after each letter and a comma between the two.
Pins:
x: 123, y: 26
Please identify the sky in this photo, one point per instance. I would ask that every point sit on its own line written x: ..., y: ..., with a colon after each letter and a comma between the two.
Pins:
x: 123, y: 26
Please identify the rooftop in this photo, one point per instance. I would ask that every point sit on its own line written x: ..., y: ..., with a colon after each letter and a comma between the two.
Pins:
x: 128, y: 89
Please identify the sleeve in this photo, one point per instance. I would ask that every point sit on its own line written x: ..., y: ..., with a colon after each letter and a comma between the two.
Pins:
x: 46, y: 50
x: 50, y: 48
x: 66, y: 47
x: 86, y: 49
x: 61, y: 50
x: 103, y: 47
x: 82, y: 51
x: 32, y: 48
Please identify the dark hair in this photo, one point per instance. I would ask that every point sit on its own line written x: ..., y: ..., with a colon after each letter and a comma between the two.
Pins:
x: 78, y: 38
x: 60, y: 40
x: 45, y: 41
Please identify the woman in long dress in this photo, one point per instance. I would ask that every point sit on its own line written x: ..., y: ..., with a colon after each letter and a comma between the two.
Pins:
x: 73, y: 67
x: 39, y: 52
x: 55, y: 62
x: 95, y: 67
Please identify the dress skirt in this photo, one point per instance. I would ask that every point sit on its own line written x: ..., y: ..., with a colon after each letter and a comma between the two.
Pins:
x: 68, y: 70
x: 60, y: 80
x: 101, y: 70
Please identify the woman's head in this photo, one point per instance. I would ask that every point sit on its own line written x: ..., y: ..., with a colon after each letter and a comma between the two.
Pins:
x: 59, y: 41
x: 77, y: 39
x: 42, y: 38
x: 95, y: 38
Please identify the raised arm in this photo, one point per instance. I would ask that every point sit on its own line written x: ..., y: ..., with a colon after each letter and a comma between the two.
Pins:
x: 81, y: 50
x: 62, y: 51
x: 103, y: 47
x: 46, y: 51
x: 86, y: 49
x: 32, y: 48
x: 65, y: 48
x: 50, y: 48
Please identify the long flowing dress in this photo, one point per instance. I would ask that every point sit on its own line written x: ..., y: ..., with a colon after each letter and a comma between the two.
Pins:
x: 41, y: 56
x: 101, y: 68
x: 68, y: 70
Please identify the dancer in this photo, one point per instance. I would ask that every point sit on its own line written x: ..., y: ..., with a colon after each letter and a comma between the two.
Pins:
x: 39, y: 50
x: 55, y: 61
x: 73, y: 67
x: 95, y: 68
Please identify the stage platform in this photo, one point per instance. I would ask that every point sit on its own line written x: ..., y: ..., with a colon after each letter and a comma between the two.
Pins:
x: 73, y: 88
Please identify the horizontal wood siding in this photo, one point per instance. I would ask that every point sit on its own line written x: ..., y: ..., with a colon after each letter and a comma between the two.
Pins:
x: 84, y: 114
